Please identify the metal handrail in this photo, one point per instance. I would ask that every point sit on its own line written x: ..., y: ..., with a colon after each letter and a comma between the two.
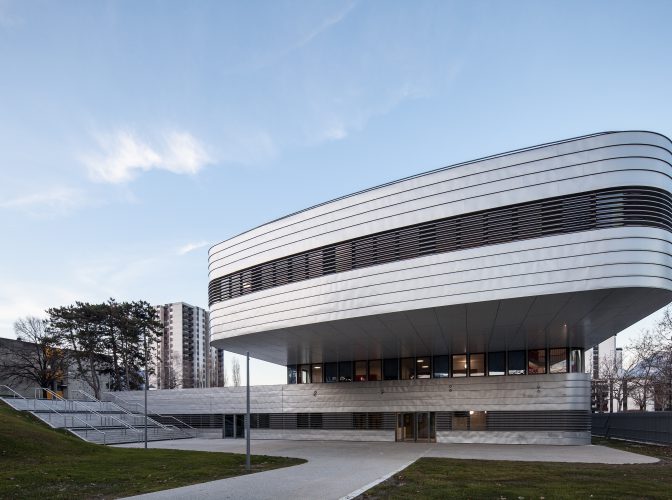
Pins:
x: 65, y: 421
x: 102, y: 417
x: 143, y: 407
x: 12, y: 390
x: 122, y: 410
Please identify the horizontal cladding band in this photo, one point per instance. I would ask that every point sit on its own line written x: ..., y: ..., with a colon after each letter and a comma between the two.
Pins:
x: 632, y: 139
x: 543, y: 184
x: 512, y: 260
x: 549, y: 420
x: 615, y: 207
x: 298, y: 313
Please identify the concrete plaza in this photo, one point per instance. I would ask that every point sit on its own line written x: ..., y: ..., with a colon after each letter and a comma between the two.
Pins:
x: 337, y: 469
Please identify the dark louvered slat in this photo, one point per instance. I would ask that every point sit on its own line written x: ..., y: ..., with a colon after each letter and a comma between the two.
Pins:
x: 631, y: 206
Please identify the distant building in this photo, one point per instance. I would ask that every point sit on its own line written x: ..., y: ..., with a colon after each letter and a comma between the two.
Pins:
x: 184, y: 358
x: 600, y: 355
x: 19, y: 359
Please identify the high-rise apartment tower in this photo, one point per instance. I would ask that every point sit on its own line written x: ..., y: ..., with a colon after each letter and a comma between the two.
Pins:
x: 184, y: 358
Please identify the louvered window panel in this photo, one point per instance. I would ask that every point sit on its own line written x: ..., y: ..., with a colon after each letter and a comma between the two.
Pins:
x: 614, y: 207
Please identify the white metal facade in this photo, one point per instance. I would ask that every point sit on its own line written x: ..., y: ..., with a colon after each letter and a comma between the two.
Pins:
x: 570, y: 290
x: 630, y: 264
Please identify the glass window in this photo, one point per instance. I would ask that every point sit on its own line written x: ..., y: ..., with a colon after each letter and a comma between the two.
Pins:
x: 303, y: 376
x: 516, y: 362
x: 345, y: 371
x: 441, y: 368
x: 476, y: 365
x: 576, y: 360
x: 497, y: 363
x: 316, y: 374
x: 459, y: 365
x: 291, y: 374
x: 557, y: 360
x: 391, y: 369
x: 536, y: 361
x: 407, y: 368
x: 375, y: 370
x: 477, y: 420
x: 460, y: 419
x: 360, y: 371
x: 330, y: 372
x: 423, y: 368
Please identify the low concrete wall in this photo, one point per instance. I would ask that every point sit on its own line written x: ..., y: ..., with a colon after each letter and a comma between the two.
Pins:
x: 206, y: 433
x: 651, y: 427
x: 513, y: 437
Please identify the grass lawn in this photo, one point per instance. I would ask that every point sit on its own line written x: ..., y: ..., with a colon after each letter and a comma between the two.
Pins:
x: 38, y: 462
x: 451, y: 478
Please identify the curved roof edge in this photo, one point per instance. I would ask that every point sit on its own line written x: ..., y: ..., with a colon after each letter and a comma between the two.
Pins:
x: 440, y: 169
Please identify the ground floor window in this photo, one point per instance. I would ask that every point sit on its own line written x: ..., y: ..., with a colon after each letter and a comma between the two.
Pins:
x: 518, y: 362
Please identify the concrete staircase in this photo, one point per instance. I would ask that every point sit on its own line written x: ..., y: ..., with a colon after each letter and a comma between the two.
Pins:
x: 92, y: 420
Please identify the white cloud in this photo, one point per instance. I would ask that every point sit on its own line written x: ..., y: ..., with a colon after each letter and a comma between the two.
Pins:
x: 53, y: 201
x: 184, y: 154
x: 18, y: 300
x: 335, y: 132
x: 190, y: 247
x: 122, y: 155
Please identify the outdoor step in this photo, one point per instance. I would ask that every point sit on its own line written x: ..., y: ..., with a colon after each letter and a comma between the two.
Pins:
x: 96, y: 422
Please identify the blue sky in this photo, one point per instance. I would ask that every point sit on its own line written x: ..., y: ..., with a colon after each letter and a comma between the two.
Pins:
x: 135, y: 134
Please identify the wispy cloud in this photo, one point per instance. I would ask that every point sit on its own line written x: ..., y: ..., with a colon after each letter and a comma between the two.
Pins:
x: 246, y: 146
x: 123, y: 154
x: 190, y: 247
x: 6, y: 17
x: 323, y: 26
x: 254, y: 62
x: 53, y: 201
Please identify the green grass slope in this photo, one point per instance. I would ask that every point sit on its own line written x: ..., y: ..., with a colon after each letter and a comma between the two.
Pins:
x: 38, y: 462
x: 442, y: 478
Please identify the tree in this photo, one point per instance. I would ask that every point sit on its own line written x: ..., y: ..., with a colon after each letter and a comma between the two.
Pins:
x: 225, y: 376
x: 643, y: 351
x: 143, y: 337
x: 36, y: 356
x: 615, y: 374
x: 235, y: 372
x: 116, y: 339
x: 174, y: 371
x: 663, y: 363
x: 80, y: 326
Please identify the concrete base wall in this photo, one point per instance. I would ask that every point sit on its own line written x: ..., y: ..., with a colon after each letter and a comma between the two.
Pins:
x: 322, y: 435
x: 569, y: 391
x: 513, y: 437
x: 207, y: 433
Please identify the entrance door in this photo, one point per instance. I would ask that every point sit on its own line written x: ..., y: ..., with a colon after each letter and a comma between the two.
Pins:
x: 406, y: 427
x: 240, y: 426
x: 228, y: 426
x: 416, y: 427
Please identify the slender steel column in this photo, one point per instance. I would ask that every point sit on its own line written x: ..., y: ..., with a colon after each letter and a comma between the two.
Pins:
x: 247, y: 417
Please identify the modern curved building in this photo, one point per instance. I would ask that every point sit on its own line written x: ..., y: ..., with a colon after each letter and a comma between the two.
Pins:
x: 454, y: 305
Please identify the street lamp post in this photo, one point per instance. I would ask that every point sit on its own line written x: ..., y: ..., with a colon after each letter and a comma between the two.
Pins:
x: 146, y: 383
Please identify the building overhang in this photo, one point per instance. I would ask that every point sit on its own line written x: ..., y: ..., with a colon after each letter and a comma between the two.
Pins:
x: 575, y: 319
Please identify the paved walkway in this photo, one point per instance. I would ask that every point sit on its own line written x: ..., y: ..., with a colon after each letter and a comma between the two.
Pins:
x: 337, y: 469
